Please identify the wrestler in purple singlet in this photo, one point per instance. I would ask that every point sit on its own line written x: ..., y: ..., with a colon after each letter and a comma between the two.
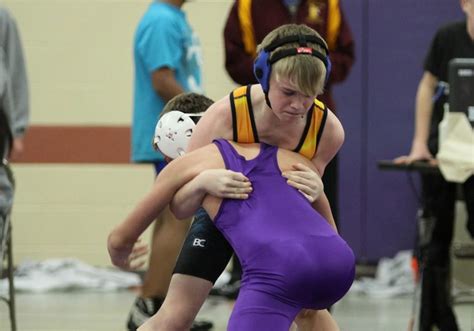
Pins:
x: 291, y: 257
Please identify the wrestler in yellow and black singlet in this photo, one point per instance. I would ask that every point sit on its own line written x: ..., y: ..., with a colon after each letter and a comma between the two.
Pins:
x: 245, y: 130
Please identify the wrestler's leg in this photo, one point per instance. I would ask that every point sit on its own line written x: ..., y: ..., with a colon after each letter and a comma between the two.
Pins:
x: 256, y: 311
x: 204, y: 255
x: 166, y: 242
x: 315, y: 320
x: 185, y: 297
x: 168, y: 236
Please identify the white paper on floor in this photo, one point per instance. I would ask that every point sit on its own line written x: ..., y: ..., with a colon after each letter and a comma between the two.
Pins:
x: 68, y: 274
x: 223, y: 279
x: 393, y: 277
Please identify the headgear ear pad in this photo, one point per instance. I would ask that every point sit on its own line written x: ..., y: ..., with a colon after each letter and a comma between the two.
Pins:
x: 263, y: 62
x: 262, y: 69
x: 172, y: 133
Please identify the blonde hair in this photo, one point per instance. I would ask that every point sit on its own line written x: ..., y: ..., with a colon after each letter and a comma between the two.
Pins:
x: 306, y: 72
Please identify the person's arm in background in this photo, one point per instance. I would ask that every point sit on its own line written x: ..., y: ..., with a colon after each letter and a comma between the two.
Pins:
x: 238, y: 60
x: 165, y: 84
x: 6, y: 138
x: 433, y: 69
x: 341, y: 51
x: 16, y: 104
x: 160, y: 47
x: 424, y: 109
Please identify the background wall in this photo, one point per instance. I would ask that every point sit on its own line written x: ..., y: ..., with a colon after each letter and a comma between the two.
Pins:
x: 376, y: 107
x: 79, y: 57
x: 80, y: 69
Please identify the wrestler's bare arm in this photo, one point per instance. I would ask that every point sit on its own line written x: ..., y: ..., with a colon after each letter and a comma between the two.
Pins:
x: 220, y: 183
x: 171, y: 178
x: 332, y: 139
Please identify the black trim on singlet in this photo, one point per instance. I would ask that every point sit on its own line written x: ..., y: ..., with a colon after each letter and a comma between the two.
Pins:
x: 234, y: 116
x: 309, y: 119
x: 322, y: 126
x: 252, y: 117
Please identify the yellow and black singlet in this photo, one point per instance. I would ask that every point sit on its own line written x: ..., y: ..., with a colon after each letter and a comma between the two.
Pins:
x: 245, y: 129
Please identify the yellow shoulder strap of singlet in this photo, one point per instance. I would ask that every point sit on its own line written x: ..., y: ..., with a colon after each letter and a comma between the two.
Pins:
x: 241, y: 121
x: 334, y: 23
x: 246, y: 26
x: 316, y: 123
x: 319, y: 104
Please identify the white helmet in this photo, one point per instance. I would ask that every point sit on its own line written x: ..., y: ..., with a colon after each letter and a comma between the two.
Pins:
x: 172, y: 133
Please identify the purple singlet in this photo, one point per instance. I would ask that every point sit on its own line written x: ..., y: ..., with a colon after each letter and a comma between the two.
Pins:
x: 291, y: 257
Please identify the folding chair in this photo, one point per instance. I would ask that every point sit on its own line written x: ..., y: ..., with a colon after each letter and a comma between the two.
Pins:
x: 6, y: 253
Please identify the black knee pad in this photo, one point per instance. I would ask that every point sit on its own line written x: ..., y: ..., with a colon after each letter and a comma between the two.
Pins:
x: 205, y: 251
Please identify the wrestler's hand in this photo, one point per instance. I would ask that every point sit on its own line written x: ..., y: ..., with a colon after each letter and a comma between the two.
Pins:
x: 224, y: 183
x: 305, y: 180
x: 126, y: 256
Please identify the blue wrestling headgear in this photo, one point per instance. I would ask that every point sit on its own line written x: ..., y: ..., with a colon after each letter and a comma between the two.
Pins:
x: 263, y: 63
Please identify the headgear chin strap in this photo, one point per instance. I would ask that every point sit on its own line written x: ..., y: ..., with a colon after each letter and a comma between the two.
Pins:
x: 263, y: 63
x: 173, y: 132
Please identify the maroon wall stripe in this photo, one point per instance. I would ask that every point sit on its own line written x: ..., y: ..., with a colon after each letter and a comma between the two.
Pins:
x: 76, y: 144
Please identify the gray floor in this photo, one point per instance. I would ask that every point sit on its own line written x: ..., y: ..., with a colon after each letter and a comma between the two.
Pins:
x: 88, y: 311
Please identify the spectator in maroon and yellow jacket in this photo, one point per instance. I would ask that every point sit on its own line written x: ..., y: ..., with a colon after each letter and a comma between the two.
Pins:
x: 247, y: 24
x: 250, y: 21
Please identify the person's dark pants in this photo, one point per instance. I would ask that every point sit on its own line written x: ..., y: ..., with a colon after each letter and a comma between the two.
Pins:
x: 439, y: 199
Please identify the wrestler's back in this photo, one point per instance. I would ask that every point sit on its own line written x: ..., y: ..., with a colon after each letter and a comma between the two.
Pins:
x: 286, y: 248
